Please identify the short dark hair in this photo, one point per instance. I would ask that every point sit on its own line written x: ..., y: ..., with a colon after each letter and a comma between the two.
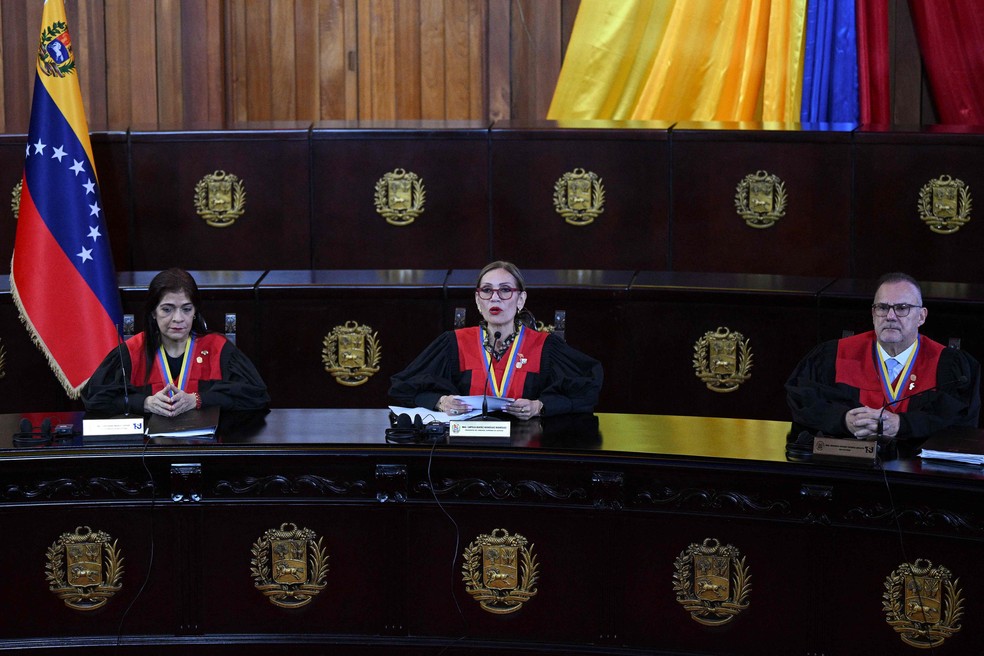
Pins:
x: 898, y: 276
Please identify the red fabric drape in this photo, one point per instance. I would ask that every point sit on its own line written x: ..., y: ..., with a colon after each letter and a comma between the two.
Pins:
x: 951, y: 40
x: 873, y: 61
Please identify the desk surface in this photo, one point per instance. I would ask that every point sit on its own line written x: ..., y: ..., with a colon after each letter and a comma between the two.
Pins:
x: 603, y: 435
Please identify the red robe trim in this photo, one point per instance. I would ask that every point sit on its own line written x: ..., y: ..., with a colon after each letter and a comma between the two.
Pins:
x: 470, y: 358
x: 205, y: 362
x: 857, y: 365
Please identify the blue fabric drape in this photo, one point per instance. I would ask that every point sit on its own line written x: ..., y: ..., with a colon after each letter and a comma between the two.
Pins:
x: 830, y: 67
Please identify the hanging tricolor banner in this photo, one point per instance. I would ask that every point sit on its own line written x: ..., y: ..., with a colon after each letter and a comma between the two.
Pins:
x: 61, y: 274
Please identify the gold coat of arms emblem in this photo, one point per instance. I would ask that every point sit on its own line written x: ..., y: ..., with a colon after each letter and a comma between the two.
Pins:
x: 722, y: 359
x: 579, y: 197
x: 922, y: 604
x: 400, y: 197
x: 944, y: 204
x: 712, y: 582
x: 351, y: 353
x: 289, y: 565
x: 500, y: 572
x: 84, y: 570
x: 761, y: 199
x: 15, y: 196
x: 220, y: 199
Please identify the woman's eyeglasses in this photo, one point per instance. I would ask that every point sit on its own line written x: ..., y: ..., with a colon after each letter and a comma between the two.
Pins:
x: 901, y: 309
x: 505, y: 293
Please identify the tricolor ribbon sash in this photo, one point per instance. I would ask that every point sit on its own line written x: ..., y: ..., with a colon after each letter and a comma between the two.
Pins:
x: 894, y: 391
x: 185, y: 364
x: 499, y: 387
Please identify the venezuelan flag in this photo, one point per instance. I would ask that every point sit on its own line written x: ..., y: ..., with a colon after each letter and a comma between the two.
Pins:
x: 61, y: 274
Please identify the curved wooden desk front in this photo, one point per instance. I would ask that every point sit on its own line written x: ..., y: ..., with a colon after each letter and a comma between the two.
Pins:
x: 607, y: 509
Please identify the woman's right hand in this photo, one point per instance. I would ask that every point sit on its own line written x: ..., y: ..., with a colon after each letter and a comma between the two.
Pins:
x: 452, y: 405
x: 160, y: 403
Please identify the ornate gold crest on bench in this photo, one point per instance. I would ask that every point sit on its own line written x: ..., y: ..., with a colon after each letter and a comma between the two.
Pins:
x: 400, y: 197
x: 922, y: 604
x: 944, y: 204
x: 500, y: 572
x: 220, y: 199
x: 712, y: 582
x: 289, y: 565
x: 579, y: 197
x: 761, y: 199
x: 84, y: 570
x: 722, y: 359
x: 351, y: 353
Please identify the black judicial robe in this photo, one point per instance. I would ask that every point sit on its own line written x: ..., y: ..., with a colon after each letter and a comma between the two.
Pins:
x: 567, y: 380
x: 236, y: 386
x: 819, y: 402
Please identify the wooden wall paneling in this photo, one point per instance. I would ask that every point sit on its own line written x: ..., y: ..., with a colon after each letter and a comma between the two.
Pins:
x: 284, y: 56
x: 528, y: 159
x: 169, y: 62
x: 3, y: 112
x: 20, y: 29
x: 458, y: 72
x: 669, y: 313
x: 536, y: 28
x: 592, y: 300
x: 273, y: 231
x: 299, y: 309
x: 377, y: 65
x: 499, y: 60
x: 131, y: 69
x: 338, y: 76
x: 418, y: 27
x: 451, y: 162
x: 237, y: 66
x: 892, y: 168
x: 87, y: 25
x: 711, y: 160
x: 196, y: 47
x: 308, y: 58
x: 260, y: 60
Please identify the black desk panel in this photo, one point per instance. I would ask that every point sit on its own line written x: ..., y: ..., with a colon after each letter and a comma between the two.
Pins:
x: 608, y: 504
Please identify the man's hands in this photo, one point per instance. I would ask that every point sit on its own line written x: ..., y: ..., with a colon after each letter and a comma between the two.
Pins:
x: 863, y: 422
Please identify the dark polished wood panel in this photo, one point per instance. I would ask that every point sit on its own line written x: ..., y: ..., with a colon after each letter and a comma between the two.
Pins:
x: 450, y: 160
x: 274, y: 230
x: 892, y: 167
x: 631, y: 160
x: 709, y: 161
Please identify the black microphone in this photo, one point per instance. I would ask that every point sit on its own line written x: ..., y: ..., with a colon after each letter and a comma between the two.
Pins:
x: 959, y: 380
x: 126, y: 392
x: 485, y: 391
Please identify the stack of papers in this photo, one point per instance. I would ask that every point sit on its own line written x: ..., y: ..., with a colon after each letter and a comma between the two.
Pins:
x: 494, y: 402
x: 958, y: 444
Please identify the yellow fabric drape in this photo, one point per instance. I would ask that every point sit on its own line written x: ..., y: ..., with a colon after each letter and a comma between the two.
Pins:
x: 680, y: 60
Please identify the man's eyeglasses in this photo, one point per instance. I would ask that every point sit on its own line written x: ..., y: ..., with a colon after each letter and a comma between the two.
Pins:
x: 505, y: 293
x: 901, y: 309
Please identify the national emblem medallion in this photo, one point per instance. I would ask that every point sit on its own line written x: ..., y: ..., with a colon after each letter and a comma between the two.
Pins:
x: 351, y: 353
x: 84, y: 570
x: 15, y: 196
x: 500, y: 572
x: 922, y: 604
x: 722, y: 360
x: 944, y: 204
x: 289, y: 565
x: 712, y: 582
x: 220, y: 199
x: 579, y: 197
x: 55, y: 58
x: 400, y: 197
x: 761, y: 199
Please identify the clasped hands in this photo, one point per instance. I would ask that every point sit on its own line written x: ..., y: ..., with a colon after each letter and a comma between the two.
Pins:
x: 863, y: 422
x: 170, y: 402
x: 520, y: 408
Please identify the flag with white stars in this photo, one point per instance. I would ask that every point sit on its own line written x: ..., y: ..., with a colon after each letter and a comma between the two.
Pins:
x: 61, y: 274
